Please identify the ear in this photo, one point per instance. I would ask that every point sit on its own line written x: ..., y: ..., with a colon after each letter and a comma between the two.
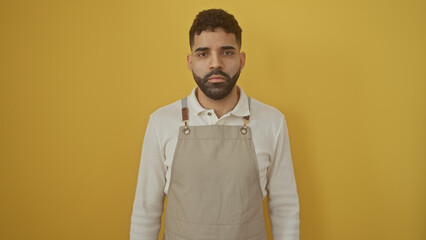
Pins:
x: 189, y: 61
x: 242, y: 60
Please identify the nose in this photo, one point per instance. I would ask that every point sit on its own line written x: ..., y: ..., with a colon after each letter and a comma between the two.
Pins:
x: 216, y: 62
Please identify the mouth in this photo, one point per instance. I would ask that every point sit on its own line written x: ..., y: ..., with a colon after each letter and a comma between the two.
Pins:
x: 216, y: 79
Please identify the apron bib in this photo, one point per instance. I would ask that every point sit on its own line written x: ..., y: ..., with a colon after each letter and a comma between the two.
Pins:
x: 214, y: 191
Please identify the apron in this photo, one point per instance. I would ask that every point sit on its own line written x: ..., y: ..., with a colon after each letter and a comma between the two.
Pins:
x: 214, y: 191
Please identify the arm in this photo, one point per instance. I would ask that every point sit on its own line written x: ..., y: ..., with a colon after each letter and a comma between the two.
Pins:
x: 283, y: 201
x: 149, y: 197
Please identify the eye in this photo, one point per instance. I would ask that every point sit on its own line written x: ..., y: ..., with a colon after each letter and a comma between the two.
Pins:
x: 228, y: 52
x: 202, y: 54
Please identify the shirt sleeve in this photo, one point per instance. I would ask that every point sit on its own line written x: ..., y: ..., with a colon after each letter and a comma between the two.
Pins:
x: 283, y: 201
x: 149, y: 197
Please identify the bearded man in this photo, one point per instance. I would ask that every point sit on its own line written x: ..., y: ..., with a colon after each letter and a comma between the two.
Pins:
x: 217, y: 153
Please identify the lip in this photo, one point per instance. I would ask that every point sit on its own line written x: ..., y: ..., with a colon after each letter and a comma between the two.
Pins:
x: 216, y: 78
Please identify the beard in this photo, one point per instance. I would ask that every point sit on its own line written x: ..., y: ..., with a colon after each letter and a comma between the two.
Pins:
x: 218, y: 90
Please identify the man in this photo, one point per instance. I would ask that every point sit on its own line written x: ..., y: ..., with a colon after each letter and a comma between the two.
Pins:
x: 217, y: 153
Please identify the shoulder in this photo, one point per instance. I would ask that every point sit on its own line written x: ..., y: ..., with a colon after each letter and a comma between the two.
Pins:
x: 267, y: 124
x: 166, y: 120
x: 265, y: 113
x: 170, y: 112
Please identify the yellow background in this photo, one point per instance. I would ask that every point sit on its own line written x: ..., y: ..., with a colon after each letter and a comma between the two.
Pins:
x: 80, y: 78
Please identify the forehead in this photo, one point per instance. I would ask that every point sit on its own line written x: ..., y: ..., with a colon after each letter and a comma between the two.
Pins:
x: 215, y: 39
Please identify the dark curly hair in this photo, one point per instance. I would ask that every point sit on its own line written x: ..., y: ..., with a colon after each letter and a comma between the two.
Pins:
x: 210, y: 19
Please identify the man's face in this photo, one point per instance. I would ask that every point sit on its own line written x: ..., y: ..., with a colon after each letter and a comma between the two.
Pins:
x: 215, y: 62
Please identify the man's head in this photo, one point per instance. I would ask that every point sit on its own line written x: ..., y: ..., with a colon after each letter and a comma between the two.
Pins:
x: 215, y: 59
x: 209, y: 20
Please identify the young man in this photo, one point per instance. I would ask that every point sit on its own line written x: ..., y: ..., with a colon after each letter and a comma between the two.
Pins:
x: 217, y: 153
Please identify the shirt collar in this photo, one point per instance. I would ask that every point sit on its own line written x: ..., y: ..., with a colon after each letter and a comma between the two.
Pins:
x: 240, y: 110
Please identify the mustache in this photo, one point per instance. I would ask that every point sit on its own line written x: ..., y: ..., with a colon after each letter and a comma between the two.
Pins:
x: 216, y: 71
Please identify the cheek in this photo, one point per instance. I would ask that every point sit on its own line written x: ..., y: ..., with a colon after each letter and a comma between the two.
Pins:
x: 198, y: 68
x: 233, y: 66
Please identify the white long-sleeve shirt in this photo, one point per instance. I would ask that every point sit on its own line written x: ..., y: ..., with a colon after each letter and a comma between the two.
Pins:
x: 272, y: 147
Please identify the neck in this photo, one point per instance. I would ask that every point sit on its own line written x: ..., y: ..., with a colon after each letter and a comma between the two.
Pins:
x: 220, y: 106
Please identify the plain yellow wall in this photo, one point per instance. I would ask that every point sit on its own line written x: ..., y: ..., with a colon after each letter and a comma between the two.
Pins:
x: 80, y: 78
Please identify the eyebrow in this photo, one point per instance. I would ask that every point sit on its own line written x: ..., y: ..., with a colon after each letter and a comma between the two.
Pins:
x: 227, y: 47
x: 206, y: 48
x: 201, y: 49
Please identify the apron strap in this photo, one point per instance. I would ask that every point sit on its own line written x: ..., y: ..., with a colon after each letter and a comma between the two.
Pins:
x: 185, y: 116
x: 249, y: 104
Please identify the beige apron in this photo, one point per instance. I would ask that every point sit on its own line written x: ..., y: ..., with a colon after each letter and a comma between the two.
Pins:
x: 214, y: 191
